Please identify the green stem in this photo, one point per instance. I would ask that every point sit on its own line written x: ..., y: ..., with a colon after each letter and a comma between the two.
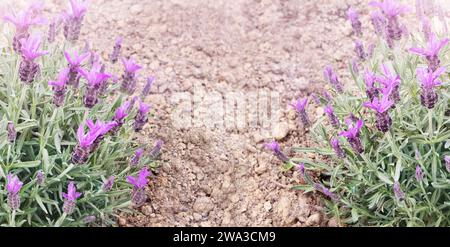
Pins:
x: 430, y: 123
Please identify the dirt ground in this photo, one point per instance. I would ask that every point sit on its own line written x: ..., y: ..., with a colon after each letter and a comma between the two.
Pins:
x: 224, y: 177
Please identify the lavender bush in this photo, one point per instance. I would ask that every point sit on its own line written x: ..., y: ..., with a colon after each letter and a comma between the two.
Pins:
x: 388, y: 165
x: 66, y: 157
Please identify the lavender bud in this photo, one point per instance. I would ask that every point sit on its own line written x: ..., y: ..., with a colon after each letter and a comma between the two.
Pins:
x: 148, y: 86
x: 337, y: 148
x: 378, y: 22
x: 354, y: 20
x: 12, y: 134
x: 138, y: 197
x: 80, y: 155
x: 108, y: 184
x: 428, y: 98
x: 447, y: 162
x: 399, y: 194
x: 53, y: 30
x: 359, y: 49
x: 90, y: 98
x: 316, y: 99
x: 326, y: 191
x: 419, y: 174
x: 17, y: 40
x: 69, y: 207
x: 40, y: 178
x: 156, y: 149
x: 334, y: 121
x: 301, y: 169
x: 383, y: 121
x: 116, y: 52
x: 13, y: 200
x: 327, y: 96
x: 89, y: 219
x: 332, y: 78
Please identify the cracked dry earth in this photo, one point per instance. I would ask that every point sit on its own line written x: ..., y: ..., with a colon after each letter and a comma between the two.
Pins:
x: 218, y: 176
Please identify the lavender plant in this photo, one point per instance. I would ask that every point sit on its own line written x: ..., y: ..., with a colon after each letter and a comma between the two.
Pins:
x: 389, y: 165
x: 67, y: 152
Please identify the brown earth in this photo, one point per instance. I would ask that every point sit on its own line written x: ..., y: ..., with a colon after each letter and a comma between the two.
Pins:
x: 219, y: 176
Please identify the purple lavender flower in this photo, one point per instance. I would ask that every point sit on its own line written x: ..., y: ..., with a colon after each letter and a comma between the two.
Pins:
x: 59, y: 87
x: 53, y: 29
x: 353, y: 16
x: 426, y: 28
x: 12, y: 133
x: 138, y: 196
x: 120, y: 115
x: 429, y: 80
x: 156, y: 149
x: 334, y: 121
x: 70, y: 198
x: 327, y: 96
x: 324, y: 190
x: 337, y: 148
x: 95, y: 79
x: 399, y: 194
x: 275, y: 148
x: 23, y: 20
x: 391, y: 10
x: 108, y: 184
x: 141, y: 117
x: 40, y: 177
x: 74, y: 19
x: 316, y: 99
x: 447, y: 162
x: 301, y: 169
x: 129, y: 77
x: 378, y: 22
x: 13, y: 186
x: 30, y: 52
x: 116, y: 52
x: 332, y: 78
x: 391, y: 84
x: 352, y: 135
x: 371, y: 90
x: 85, y: 141
x: 431, y: 51
x: 381, y: 108
x: 355, y: 68
x: 137, y: 157
x: 101, y: 128
x: 359, y: 50
x: 148, y: 86
x: 74, y: 62
x: 419, y: 174
x: 300, y: 107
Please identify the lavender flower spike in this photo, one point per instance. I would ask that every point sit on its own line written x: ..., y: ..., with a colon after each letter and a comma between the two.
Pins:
x: 81, y: 152
x: 334, y: 121
x: 156, y: 149
x: 332, y: 78
x: 419, y: 174
x: 353, y: 16
x: 129, y: 77
x: 275, y: 148
x: 70, y: 198
x: 116, y: 51
x: 352, y: 135
x: 326, y: 191
x: 369, y: 80
x: 73, y: 19
x: 53, y: 29
x: 74, y: 62
x: 148, y: 86
x: 30, y: 52
x: 108, y: 184
x: 378, y: 22
x: 359, y: 50
x: 23, y: 20
x: 391, y: 84
x: 431, y: 51
x: 384, y: 121
x: 12, y: 133
x: 141, y: 117
x: 40, y: 177
x: 399, y: 194
x: 59, y: 87
x: 138, y: 196
x: 300, y: 107
x: 337, y: 148
x: 120, y: 115
x: 447, y: 162
x: 429, y: 80
x: 95, y: 79
x: 137, y: 157
x: 301, y: 169
x: 13, y: 186
x: 101, y: 129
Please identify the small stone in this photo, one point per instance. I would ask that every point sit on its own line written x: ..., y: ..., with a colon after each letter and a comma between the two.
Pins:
x: 147, y: 210
x: 333, y: 222
x: 280, y: 131
x: 203, y: 205
x: 267, y: 206
x: 197, y: 217
x: 136, y: 9
x: 122, y: 221
x: 313, y: 220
